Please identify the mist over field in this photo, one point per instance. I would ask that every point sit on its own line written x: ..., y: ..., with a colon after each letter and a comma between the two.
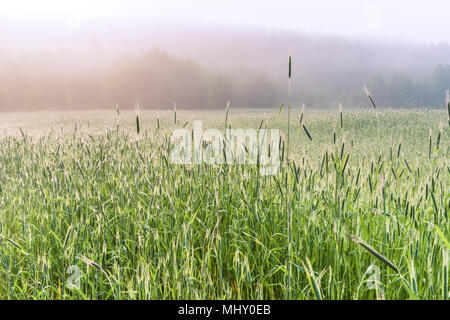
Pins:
x: 224, y: 150
x: 61, y: 60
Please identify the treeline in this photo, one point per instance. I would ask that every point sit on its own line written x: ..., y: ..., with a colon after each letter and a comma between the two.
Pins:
x: 403, y: 90
x: 156, y: 80
x: 390, y: 90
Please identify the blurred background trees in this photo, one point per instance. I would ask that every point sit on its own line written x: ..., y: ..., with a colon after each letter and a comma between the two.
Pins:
x: 249, y: 69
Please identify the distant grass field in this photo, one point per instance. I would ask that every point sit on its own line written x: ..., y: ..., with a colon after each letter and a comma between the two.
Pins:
x: 359, y: 212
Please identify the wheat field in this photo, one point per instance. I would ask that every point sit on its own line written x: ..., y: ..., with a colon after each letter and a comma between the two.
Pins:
x: 90, y: 209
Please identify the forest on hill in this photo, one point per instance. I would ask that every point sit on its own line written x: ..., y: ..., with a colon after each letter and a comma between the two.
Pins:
x: 205, y: 70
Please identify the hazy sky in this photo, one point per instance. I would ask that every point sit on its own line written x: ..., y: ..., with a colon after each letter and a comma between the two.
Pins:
x: 414, y: 20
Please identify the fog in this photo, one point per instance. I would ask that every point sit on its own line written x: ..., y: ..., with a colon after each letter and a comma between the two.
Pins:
x: 201, y: 54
